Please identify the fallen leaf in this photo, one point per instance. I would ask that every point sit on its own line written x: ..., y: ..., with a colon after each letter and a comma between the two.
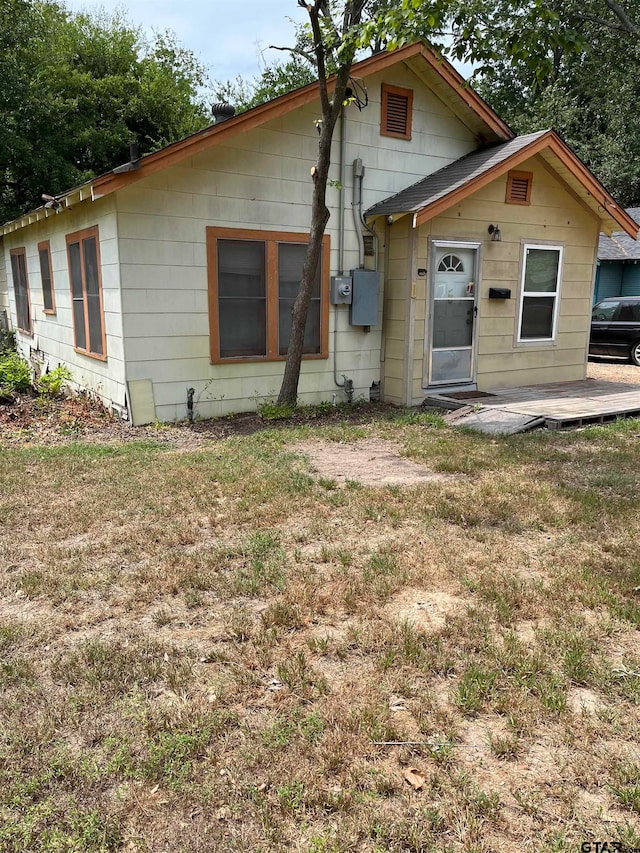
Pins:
x: 414, y: 778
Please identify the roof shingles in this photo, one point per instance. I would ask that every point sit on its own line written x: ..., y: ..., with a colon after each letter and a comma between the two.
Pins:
x: 620, y: 247
x: 451, y: 177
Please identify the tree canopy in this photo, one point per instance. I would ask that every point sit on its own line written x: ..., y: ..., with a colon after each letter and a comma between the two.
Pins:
x: 76, y: 90
x: 577, y: 72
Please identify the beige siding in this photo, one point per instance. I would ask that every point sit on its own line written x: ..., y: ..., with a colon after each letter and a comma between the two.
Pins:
x: 4, y: 292
x: 397, y: 271
x: 553, y: 217
x: 261, y: 181
x: 52, y: 339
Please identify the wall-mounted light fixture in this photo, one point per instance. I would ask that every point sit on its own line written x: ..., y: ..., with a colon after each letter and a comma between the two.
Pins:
x: 496, y: 234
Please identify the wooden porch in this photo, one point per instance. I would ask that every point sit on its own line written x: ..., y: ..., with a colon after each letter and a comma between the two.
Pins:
x: 557, y: 405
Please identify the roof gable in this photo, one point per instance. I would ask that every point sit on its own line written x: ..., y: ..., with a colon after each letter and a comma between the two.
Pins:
x: 441, y: 190
x: 453, y: 89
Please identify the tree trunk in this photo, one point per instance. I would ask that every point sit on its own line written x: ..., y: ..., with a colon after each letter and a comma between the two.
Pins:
x: 319, y: 211
x: 319, y: 217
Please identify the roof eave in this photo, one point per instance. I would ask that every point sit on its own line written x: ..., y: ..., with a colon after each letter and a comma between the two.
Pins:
x: 111, y: 181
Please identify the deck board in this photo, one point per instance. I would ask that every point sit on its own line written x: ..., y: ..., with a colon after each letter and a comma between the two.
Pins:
x: 564, y: 404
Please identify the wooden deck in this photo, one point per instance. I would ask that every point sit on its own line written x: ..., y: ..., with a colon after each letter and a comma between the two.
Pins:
x: 564, y: 404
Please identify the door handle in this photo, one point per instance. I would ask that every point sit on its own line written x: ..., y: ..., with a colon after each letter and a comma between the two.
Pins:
x: 475, y: 310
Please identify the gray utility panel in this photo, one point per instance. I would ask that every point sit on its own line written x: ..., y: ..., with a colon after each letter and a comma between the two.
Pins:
x: 365, y: 298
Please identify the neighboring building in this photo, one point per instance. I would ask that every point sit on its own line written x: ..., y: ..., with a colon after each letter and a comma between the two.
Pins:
x: 178, y: 271
x: 618, y: 264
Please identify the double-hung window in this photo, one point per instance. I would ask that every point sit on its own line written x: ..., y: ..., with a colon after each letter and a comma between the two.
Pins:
x: 254, y: 278
x: 21, y: 289
x: 46, y: 276
x: 83, y: 252
x: 540, y: 293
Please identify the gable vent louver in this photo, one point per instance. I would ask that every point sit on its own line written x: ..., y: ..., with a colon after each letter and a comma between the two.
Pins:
x: 396, y: 111
x: 519, y: 188
x: 397, y: 114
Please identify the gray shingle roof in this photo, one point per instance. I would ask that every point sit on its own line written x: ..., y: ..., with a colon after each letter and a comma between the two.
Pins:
x: 620, y: 247
x: 451, y: 177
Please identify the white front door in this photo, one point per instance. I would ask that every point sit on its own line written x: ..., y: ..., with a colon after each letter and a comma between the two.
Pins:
x: 450, y: 339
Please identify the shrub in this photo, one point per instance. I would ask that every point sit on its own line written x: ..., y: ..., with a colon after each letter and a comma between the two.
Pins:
x: 50, y: 385
x: 14, y: 374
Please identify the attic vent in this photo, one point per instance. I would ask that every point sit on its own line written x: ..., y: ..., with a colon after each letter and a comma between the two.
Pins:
x: 519, y: 187
x: 396, y: 112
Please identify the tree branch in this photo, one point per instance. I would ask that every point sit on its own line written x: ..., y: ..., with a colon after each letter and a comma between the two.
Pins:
x: 627, y: 24
x: 594, y: 19
x: 313, y: 11
x: 303, y: 53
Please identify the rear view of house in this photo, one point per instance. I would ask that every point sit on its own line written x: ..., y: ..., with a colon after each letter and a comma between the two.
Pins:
x: 457, y: 255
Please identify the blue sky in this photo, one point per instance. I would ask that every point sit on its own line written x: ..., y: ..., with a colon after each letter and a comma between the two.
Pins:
x: 228, y: 36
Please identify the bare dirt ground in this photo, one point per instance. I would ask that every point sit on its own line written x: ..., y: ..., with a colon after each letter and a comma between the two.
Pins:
x: 370, y: 462
x: 613, y: 370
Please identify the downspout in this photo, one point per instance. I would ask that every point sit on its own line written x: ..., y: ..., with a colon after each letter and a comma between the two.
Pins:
x: 343, y: 178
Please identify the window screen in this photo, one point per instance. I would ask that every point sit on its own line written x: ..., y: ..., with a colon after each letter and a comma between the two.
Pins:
x: 21, y: 290
x: 92, y: 282
x: 290, y: 262
x: 242, y: 298
x: 77, y: 295
x: 46, y: 278
x: 86, y: 292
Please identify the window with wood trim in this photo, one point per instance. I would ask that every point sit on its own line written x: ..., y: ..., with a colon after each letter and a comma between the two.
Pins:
x: 540, y: 297
x: 21, y: 289
x: 396, y: 112
x: 83, y: 252
x: 253, y: 282
x: 519, y: 187
x: 46, y: 277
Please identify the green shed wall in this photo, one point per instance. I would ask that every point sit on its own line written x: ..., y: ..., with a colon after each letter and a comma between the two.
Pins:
x: 608, y: 280
x: 630, y: 280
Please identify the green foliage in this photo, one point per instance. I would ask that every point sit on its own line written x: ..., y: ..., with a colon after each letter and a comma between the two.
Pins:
x: 50, y: 384
x: 15, y: 376
x: 270, y: 411
x: 576, y: 70
x: 42, y: 827
x: 275, y: 80
x: 77, y: 89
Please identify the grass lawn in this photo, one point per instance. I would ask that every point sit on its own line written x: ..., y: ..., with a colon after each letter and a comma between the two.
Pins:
x: 211, y: 648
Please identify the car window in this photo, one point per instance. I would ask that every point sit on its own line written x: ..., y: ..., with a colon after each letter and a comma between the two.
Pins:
x: 629, y: 312
x: 604, y: 310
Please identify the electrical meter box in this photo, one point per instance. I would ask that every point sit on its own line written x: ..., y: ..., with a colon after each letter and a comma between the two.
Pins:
x: 365, y: 299
x: 341, y: 290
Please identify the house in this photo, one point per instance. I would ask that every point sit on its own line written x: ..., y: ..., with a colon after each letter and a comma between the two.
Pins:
x: 457, y: 255
x: 618, y: 271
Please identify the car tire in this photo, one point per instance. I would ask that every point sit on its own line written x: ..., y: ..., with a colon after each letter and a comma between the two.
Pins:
x: 634, y: 354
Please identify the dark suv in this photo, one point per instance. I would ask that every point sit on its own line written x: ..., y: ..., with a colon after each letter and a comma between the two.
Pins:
x: 615, y: 328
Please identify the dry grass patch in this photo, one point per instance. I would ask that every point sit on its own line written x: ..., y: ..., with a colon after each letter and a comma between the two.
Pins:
x: 213, y: 648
